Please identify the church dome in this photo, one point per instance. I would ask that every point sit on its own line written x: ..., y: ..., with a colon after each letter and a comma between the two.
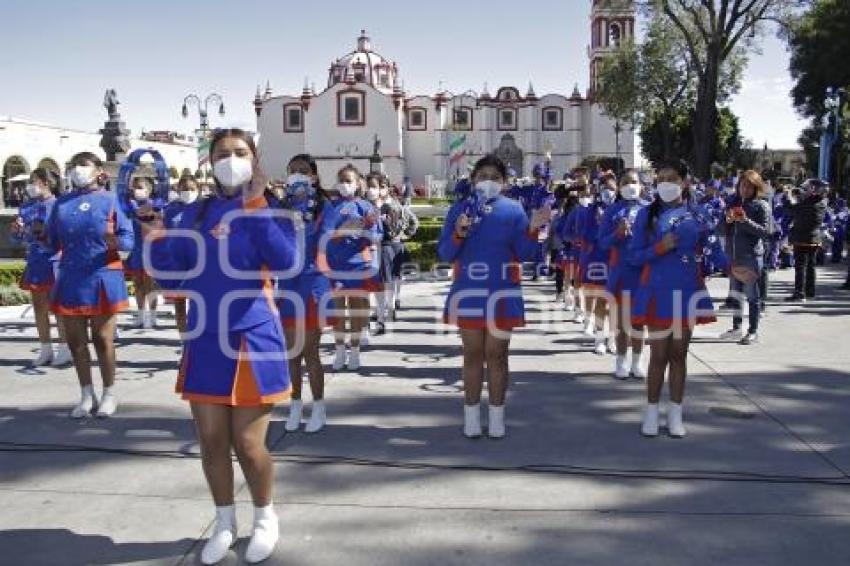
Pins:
x: 365, y: 66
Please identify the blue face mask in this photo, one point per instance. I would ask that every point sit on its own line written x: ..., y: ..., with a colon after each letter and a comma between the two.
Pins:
x: 299, y: 188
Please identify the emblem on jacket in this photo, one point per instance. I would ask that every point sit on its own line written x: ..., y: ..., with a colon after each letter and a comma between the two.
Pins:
x: 220, y: 231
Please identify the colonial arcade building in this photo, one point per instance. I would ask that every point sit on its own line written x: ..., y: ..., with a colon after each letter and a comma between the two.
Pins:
x: 363, y: 108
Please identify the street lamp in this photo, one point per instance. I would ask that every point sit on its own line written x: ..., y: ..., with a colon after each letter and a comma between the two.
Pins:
x: 618, y: 128
x: 194, y: 99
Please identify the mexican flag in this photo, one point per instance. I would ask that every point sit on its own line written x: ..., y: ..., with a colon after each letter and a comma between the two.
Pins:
x: 457, y: 151
x: 203, y: 152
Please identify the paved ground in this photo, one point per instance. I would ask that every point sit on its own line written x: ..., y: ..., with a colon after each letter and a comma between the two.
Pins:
x: 762, y: 478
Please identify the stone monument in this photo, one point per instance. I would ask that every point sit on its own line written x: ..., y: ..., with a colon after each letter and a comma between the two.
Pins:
x: 115, y: 139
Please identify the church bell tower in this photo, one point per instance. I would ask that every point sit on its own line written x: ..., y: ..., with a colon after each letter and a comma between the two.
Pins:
x: 612, y: 22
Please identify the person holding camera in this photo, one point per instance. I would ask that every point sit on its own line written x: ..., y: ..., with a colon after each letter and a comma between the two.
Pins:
x: 747, y: 229
x: 807, y: 211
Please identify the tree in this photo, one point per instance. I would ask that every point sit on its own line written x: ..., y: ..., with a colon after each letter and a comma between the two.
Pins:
x: 713, y: 31
x: 731, y: 151
x: 820, y: 48
x: 654, y: 80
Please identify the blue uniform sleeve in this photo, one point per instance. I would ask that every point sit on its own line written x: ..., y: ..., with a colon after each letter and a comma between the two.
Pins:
x: 642, y: 248
x: 607, y: 236
x: 449, y: 245
x: 524, y: 240
x: 275, y: 240
x: 51, y: 241
x: 123, y: 230
x: 170, y: 253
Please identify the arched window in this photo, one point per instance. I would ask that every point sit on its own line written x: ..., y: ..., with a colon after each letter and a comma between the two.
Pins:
x: 615, y: 35
x: 16, y: 172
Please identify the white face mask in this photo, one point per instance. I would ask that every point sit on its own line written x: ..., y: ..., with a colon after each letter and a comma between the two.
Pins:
x: 384, y: 193
x: 488, y: 189
x: 669, y: 192
x: 346, y: 190
x: 140, y: 194
x: 607, y: 196
x: 188, y: 197
x: 584, y: 201
x: 173, y: 196
x: 82, y: 176
x: 630, y: 191
x: 372, y: 194
x: 33, y: 191
x: 233, y: 172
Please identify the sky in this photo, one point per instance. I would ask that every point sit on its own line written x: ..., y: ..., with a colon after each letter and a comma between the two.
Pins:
x: 57, y: 57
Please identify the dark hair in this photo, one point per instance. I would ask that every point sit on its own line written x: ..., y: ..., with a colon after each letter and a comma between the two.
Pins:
x: 490, y: 160
x: 237, y: 133
x: 85, y: 158
x: 185, y: 180
x: 349, y: 167
x: 377, y: 176
x: 49, y: 177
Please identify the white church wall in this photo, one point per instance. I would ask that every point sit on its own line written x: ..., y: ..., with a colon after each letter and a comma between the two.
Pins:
x: 276, y: 146
x: 601, y: 138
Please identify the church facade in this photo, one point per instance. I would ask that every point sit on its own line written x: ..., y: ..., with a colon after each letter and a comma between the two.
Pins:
x: 363, y: 111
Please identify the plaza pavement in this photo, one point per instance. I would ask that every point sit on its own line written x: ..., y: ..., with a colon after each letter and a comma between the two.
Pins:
x: 762, y: 478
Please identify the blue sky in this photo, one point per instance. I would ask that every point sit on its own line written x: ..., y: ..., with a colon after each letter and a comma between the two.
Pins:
x: 58, y: 57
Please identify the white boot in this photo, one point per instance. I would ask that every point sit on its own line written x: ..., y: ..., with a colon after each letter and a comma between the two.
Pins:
x: 472, y: 421
x: 108, y: 404
x: 294, y: 420
x: 223, y: 536
x: 569, y: 303
x: 339, y: 359
x: 354, y: 359
x: 496, y: 422
x: 87, y: 402
x: 601, y: 347
x: 612, y: 345
x: 621, y: 370
x: 318, y: 418
x: 675, y: 423
x: 45, y: 356
x: 61, y: 356
x: 265, y: 535
x: 637, y: 367
x: 650, y: 420
x: 364, y: 337
x: 138, y: 320
x: 589, y: 327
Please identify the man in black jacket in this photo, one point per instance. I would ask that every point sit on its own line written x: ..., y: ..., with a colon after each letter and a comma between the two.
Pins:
x: 807, y: 213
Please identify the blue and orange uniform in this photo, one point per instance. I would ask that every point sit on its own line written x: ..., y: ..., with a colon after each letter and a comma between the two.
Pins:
x: 237, y: 355
x: 570, y: 253
x: 311, y: 286
x: 672, y: 292
x: 351, y: 259
x: 488, y: 261
x: 623, y: 277
x: 593, y: 259
x: 133, y: 265
x: 39, y: 273
x: 90, y: 279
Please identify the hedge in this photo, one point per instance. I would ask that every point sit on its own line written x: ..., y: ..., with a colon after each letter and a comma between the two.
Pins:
x: 11, y: 273
x: 11, y: 296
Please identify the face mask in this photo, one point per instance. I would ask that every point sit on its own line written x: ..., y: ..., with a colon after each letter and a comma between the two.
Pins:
x: 372, y: 194
x: 297, y: 183
x: 33, y: 191
x: 669, y: 192
x: 630, y: 191
x: 82, y: 176
x: 607, y: 196
x: 173, y: 196
x: 140, y: 194
x: 188, y: 197
x: 384, y: 193
x: 584, y: 201
x: 346, y: 190
x: 233, y: 172
x: 488, y: 189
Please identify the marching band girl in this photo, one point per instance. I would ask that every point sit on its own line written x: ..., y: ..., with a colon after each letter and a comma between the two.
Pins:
x: 350, y: 255
x: 38, y: 276
x: 376, y: 196
x: 615, y: 234
x: 187, y: 193
x: 305, y: 197
x: 667, y: 239
x: 89, y: 227
x: 594, y: 266
x: 143, y: 207
x: 570, y: 235
x: 234, y: 369
x: 487, y: 237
